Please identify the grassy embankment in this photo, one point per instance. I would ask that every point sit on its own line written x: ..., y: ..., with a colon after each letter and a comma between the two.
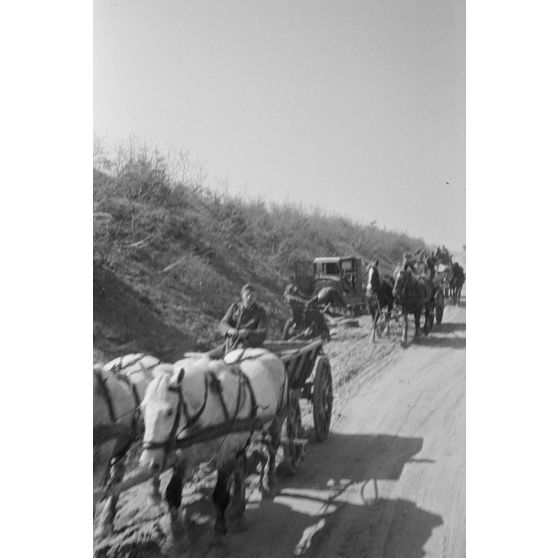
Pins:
x: 171, y: 254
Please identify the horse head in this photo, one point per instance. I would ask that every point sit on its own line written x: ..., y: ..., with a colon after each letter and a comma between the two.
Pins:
x: 174, y: 389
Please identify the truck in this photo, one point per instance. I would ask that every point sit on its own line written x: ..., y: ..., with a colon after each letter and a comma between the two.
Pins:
x: 344, y: 274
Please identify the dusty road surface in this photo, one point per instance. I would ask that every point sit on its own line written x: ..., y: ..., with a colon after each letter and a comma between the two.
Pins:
x: 388, y: 482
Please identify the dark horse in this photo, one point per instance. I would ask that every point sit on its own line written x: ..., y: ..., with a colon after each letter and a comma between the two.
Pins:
x: 378, y: 301
x: 457, y: 278
x: 414, y: 294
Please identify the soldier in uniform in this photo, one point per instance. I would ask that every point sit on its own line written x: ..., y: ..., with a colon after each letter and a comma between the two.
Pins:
x: 245, y: 322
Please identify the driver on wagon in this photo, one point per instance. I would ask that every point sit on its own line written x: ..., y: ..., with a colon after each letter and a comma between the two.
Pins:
x: 245, y: 322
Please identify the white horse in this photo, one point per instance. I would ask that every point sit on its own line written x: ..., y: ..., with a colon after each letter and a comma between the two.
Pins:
x: 207, y: 410
x: 136, y: 369
x: 119, y: 389
x: 113, y: 411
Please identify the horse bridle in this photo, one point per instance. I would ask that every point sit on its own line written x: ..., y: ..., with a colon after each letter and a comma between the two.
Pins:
x: 169, y: 444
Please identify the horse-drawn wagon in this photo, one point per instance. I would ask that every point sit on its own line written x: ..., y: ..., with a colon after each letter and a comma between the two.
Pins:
x: 230, y: 408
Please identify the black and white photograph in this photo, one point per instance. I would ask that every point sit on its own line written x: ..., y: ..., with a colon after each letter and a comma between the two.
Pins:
x: 252, y: 217
x: 279, y: 278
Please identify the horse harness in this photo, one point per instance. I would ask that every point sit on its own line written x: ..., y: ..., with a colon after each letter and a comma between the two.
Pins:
x: 214, y: 384
x: 103, y: 432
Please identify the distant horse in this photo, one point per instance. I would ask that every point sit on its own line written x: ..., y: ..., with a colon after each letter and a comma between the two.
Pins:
x: 190, y: 415
x: 456, y: 282
x: 414, y: 294
x: 378, y: 301
x: 120, y: 388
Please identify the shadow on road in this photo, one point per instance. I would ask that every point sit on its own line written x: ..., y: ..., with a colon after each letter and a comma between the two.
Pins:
x: 334, y: 505
x: 368, y: 456
x: 441, y: 342
x: 449, y: 327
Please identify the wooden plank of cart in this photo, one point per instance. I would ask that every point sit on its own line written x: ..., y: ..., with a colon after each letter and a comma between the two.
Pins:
x: 309, y: 373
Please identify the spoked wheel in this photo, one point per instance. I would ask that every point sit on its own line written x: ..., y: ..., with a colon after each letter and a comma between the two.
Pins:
x: 322, y: 398
x: 292, y: 431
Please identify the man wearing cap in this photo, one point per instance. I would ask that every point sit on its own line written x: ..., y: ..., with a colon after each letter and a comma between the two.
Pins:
x: 245, y: 323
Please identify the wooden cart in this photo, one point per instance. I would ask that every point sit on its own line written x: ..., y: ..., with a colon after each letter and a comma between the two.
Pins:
x: 309, y: 373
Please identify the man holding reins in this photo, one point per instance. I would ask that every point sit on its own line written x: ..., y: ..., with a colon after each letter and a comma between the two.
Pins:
x: 245, y: 322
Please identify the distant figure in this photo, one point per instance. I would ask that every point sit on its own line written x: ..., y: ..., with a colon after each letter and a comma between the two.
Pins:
x: 244, y: 325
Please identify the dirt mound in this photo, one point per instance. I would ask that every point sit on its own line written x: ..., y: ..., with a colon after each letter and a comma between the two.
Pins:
x: 125, y: 321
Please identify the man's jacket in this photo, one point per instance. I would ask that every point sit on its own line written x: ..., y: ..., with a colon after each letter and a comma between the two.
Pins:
x: 253, y: 318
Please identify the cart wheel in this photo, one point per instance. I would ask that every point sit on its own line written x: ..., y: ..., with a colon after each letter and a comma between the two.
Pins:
x: 322, y: 398
x: 291, y: 430
x: 289, y: 329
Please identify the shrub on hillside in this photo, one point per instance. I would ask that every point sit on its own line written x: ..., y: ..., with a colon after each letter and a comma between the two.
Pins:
x: 189, y: 248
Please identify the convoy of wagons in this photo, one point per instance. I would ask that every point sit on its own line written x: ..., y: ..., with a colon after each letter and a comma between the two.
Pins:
x: 306, y: 364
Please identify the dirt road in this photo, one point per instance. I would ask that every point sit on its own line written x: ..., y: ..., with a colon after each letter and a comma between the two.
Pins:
x: 390, y: 480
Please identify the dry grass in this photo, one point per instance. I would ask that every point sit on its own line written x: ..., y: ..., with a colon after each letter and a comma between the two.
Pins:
x: 181, y: 251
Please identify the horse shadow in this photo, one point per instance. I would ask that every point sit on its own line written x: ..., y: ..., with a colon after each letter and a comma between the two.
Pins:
x: 331, y: 504
x: 334, y: 505
x: 449, y: 327
x: 435, y: 342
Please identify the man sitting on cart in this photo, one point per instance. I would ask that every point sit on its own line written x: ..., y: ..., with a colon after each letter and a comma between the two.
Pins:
x: 244, y: 324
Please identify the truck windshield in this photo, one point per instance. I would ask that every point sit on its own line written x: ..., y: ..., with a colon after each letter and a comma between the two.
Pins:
x: 332, y: 268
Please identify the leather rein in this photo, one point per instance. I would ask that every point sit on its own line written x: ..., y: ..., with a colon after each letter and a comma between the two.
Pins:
x: 169, y: 444
x: 173, y: 441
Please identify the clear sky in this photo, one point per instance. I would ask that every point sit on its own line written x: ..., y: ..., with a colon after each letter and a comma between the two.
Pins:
x: 355, y: 106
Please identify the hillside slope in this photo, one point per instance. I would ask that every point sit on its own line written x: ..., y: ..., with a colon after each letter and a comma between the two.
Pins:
x: 170, y: 256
